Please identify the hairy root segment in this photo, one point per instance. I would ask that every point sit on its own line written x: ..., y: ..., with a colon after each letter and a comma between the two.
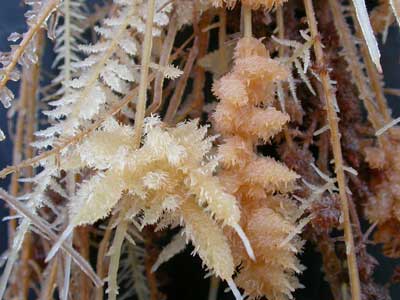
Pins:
x: 245, y: 116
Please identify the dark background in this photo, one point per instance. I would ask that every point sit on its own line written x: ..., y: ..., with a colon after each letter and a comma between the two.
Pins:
x: 11, y: 19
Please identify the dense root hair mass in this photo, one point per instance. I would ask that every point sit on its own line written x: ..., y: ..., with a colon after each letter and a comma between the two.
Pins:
x: 245, y: 116
x: 266, y: 127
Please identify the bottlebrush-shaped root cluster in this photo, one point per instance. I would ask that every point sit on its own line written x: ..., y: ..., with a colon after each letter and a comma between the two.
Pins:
x: 124, y: 165
x: 246, y: 118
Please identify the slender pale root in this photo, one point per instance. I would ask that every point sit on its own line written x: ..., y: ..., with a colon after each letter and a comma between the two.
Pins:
x: 234, y: 289
x: 13, y: 255
x: 64, y: 236
x: 114, y: 260
x: 336, y: 149
x: 16, y: 55
x: 297, y: 230
x: 387, y: 127
x: 368, y: 33
x: 144, y: 74
x: 214, y: 286
x: 43, y: 226
x: 177, y: 245
x: 67, y: 274
x: 245, y: 241
x: 395, y: 4
x: 247, y: 25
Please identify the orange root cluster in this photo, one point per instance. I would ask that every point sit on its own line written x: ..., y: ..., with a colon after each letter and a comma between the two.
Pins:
x: 244, y: 117
x: 383, y: 208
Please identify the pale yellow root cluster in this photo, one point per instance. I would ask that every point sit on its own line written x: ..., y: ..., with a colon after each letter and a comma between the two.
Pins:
x: 169, y: 181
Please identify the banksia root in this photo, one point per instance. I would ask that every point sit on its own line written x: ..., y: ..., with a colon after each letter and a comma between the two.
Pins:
x: 383, y: 207
x: 120, y: 192
x: 245, y: 116
x: 169, y: 180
